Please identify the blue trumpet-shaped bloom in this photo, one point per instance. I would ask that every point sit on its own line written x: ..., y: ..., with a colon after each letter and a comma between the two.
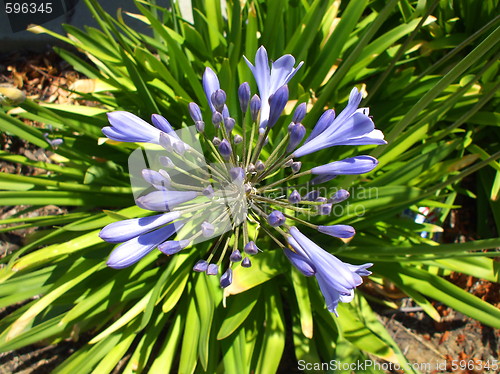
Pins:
x: 350, y: 127
x: 269, y: 80
x: 337, y: 280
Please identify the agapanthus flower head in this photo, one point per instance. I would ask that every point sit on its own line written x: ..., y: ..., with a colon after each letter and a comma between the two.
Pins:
x: 217, y: 188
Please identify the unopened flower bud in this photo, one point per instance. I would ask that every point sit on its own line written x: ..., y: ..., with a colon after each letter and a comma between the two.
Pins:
x: 296, y: 166
x: 277, y: 102
x: 225, y: 149
x: 218, y: 100
x: 200, y: 126
x: 166, y: 162
x: 237, y: 173
x: 325, y: 209
x: 207, y: 229
x: 300, y: 113
x: 244, y: 96
x: 255, y: 105
x: 297, y: 132
x: 294, y: 197
x: 195, y: 112
x: 339, y: 196
x: 216, y: 141
x: 276, y: 218
x: 217, y: 119
x: 251, y: 248
x: 246, y: 263
x: 229, y: 124
x: 209, y: 191
x: 235, y: 256
x: 237, y: 139
x: 212, y: 269
x: 200, y: 266
x: 260, y: 166
x: 227, y: 278
x: 288, y: 163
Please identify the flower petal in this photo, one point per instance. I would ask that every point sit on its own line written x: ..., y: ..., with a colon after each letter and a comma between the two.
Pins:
x: 163, y: 201
x: 121, y: 231
x: 133, y: 250
x: 348, y: 166
x: 127, y: 127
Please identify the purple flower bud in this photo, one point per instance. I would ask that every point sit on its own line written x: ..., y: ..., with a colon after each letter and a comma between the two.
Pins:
x: 244, y: 96
x: 179, y: 148
x: 237, y: 139
x: 160, y: 181
x: 225, y: 149
x: 166, y: 162
x: 277, y: 103
x: 166, y: 142
x: 321, y: 199
x: 212, y: 269
x: 288, y: 163
x: 338, y: 231
x: 297, y: 132
x: 251, y: 248
x: 246, y: 263
x: 209, y: 191
x: 216, y: 141
x: 53, y: 143
x: 237, y: 174
x: 255, y: 105
x: 217, y: 119
x: 325, y: 209
x: 173, y: 246
x: 339, y: 196
x: 201, y: 266
x: 227, y: 278
x: 229, y: 124
x: 276, y: 218
x: 235, y: 256
x: 260, y: 166
x: 296, y: 166
x: 300, y: 113
x: 294, y: 197
x: 207, y: 229
x: 251, y: 168
x: 200, y: 126
x: 195, y: 112
x: 311, y: 195
x: 225, y: 112
x: 218, y: 100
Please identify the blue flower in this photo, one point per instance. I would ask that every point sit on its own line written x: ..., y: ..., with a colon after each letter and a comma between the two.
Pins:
x: 337, y: 280
x: 270, y: 80
x: 350, y: 127
x: 221, y: 186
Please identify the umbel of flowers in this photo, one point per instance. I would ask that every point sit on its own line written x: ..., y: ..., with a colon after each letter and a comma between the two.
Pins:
x: 215, y: 185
